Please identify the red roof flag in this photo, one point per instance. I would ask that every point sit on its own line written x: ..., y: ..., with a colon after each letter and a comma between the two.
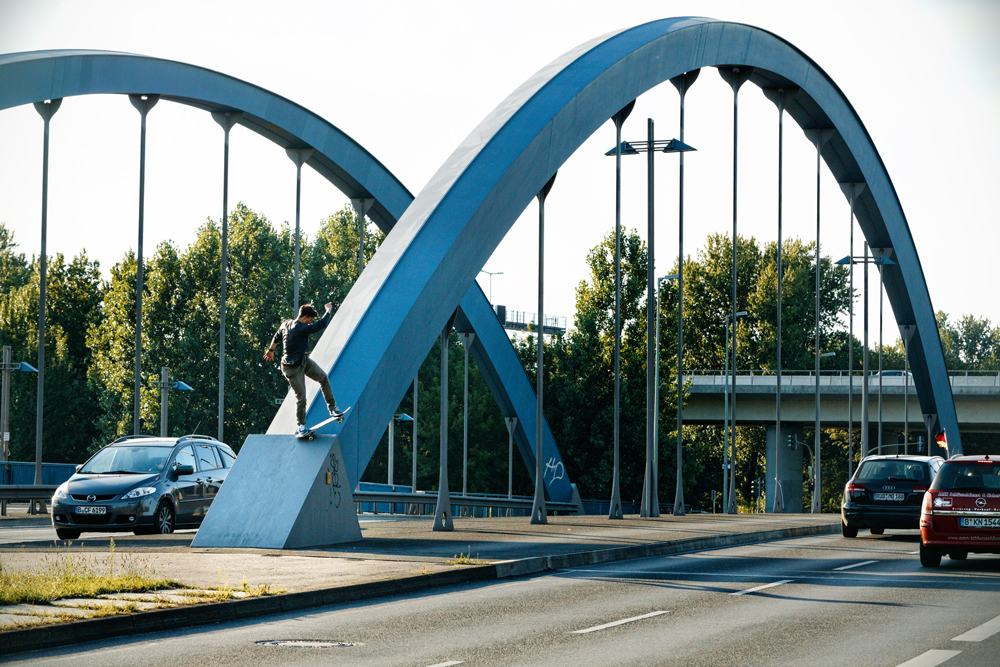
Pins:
x: 942, y: 441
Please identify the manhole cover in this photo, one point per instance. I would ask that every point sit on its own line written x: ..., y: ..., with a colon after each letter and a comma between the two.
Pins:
x: 307, y: 643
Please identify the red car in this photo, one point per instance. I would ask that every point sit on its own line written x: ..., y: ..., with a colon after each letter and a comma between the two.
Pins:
x: 961, y: 510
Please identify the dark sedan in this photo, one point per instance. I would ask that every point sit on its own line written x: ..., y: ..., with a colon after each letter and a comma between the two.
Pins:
x: 144, y: 485
x: 886, y: 492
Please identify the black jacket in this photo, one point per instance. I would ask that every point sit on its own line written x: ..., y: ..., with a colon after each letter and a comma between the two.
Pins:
x: 294, y: 335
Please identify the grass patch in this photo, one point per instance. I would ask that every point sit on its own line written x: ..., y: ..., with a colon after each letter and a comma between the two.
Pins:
x: 462, y: 559
x: 71, y: 576
x: 226, y: 592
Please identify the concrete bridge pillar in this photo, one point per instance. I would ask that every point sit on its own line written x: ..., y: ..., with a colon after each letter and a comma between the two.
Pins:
x: 788, y: 465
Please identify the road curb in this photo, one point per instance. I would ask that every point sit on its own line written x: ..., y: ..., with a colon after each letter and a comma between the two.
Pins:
x: 154, y: 620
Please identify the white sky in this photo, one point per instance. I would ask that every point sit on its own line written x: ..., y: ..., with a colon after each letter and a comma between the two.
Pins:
x: 409, y: 80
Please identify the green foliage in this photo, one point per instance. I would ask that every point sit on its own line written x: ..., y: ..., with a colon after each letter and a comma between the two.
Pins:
x: 73, y: 303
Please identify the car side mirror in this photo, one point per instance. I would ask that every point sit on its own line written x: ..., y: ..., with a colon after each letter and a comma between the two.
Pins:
x: 183, y: 470
x: 78, y: 467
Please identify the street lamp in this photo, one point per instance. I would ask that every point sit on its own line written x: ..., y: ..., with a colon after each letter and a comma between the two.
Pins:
x: 650, y: 506
x: 817, y: 462
x: 165, y: 385
x: 866, y: 259
x: 467, y: 339
x: 491, y: 274
x: 656, y: 389
x: 8, y: 367
x: 725, y: 448
x: 402, y: 417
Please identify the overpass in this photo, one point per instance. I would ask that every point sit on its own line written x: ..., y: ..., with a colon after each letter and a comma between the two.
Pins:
x: 977, y: 399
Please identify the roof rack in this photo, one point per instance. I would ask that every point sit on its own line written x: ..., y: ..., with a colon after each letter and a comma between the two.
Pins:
x: 130, y: 437
x: 195, y: 436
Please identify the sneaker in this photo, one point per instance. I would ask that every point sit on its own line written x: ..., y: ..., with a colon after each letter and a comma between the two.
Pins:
x: 335, y: 411
x: 301, y: 429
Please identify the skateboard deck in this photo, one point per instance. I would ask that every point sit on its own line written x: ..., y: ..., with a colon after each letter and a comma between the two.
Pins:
x: 310, y: 433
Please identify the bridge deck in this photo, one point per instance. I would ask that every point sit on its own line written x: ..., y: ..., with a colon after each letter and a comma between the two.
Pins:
x: 977, y: 399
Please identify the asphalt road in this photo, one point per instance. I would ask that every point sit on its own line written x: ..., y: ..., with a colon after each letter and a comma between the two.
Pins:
x: 807, y: 601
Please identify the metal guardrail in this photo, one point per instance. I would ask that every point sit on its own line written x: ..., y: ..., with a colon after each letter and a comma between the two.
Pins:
x: 460, y: 501
x: 27, y: 491
x: 887, y: 373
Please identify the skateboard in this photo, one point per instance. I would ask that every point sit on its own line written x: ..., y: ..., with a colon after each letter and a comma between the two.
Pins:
x: 310, y: 432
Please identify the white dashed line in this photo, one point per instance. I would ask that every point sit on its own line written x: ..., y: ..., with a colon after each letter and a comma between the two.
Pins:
x: 760, y: 588
x: 931, y: 658
x: 987, y: 629
x: 849, y: 567
x: 448, y: 664
x: 621, y: 622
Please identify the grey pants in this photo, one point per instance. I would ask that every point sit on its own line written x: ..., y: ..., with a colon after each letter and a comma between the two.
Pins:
x: 296, y: 376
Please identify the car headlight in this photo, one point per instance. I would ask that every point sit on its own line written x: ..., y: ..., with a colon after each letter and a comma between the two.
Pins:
x: 61, y: 492
x: 139, y: 492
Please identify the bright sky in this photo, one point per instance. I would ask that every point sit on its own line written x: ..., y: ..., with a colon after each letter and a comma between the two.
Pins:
x: 409, y: 80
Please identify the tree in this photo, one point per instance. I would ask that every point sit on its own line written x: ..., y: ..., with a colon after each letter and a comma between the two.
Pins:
x: 73, y: 301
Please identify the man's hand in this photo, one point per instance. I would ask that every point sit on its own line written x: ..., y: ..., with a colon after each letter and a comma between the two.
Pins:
x: 269, y: 355
x: 329, y: 307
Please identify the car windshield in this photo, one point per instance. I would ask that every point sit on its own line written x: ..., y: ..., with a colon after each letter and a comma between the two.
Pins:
x: 896, y: 471
x: 968, y: 476
x: 127, y: 459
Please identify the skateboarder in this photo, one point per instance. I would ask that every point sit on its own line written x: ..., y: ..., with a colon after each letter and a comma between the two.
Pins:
x: 295, y: 362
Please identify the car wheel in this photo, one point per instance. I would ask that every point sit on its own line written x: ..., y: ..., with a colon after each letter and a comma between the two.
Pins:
x: 877, y: 530
x: 164, y: 521
x: 958, y: 555
x: 848, y: 531
x: 64, y: 534
x: 929, y: 556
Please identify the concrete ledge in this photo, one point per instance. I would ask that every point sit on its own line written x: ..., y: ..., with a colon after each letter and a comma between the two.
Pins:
x: 73, y: 632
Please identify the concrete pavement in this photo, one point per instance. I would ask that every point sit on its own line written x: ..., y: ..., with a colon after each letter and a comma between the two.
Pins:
x: 397, y: 555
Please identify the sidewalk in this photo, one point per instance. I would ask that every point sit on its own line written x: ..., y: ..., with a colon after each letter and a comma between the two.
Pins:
x: 397, y: 555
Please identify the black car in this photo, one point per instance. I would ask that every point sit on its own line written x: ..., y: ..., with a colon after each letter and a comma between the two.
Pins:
x: 886, y: 492
x: 142, y: 484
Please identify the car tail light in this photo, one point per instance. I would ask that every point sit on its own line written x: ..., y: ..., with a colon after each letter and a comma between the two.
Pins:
x: 927, y: 508
x: 919, y: 489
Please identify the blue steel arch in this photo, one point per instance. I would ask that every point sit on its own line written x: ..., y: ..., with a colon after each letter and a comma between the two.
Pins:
x: 43, y: 75
x: 421, y: 271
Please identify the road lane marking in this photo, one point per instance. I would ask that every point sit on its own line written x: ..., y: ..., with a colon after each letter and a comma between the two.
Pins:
x: 760, y: 588
x: 621, y: 622
x: 881, y: 579
x: 448, y: 664
x: 929, y: 659
x: 848, y: 567
x: 987, y: 629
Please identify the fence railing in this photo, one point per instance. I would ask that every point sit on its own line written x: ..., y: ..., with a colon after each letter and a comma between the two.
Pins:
x: 389, y: 502
x: 958, y: 378
x: 27, y: 492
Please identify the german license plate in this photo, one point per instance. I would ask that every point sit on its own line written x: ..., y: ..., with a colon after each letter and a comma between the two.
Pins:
x: 980, y: 522
x: 88, y: 509
x: 890, y: 496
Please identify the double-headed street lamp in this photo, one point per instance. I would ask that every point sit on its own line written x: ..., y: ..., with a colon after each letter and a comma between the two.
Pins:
x: 726, y: 463
x: 165, y: 385
x: 881, y: 260
x: 8, y: 367
x: 491, y: 274
x: 650, y: 505
x: 401, y: 417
